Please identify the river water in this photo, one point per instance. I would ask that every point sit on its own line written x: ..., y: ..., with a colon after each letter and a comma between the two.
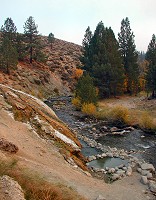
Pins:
x: 137, y: 140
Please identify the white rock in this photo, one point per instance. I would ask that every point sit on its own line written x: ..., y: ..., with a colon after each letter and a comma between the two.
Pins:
x: 115, y: 177
x: 120, y: 172
x: 144, y: 172
x: 100, y: 197
x: 113, y: 129
x: 87, y: 173
x: 111, y: 170
x: 149, y: 175
x: 107, y: 168
x: 144, y: 180
x: 152, y: 186
x: 139, y: 170
x: 98, y: 156
x: 104, y: 155
x: 124, y: 168
x: 129, y: 171
x: 109, y: 155
x: 146, y: 166
x: 91, y: 158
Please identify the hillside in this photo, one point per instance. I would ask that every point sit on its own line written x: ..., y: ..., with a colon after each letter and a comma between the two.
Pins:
x: 56, y: 77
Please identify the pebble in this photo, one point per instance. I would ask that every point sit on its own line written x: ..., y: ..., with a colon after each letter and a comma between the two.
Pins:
x: 100, y: 197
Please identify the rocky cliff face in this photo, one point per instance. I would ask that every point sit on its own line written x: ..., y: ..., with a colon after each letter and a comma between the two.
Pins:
x: 43, y: 121
x: 56, y: 77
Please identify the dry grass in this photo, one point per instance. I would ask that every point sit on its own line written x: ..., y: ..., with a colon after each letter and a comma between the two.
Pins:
x: 116, y: 113
x: 35, y: 187
x: 119, y: 113
x: 141, y: 113
x: 89, y: 109
x: 147, y: 122
x: 77, y: 103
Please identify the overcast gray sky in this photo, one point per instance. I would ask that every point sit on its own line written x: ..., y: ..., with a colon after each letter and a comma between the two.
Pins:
x: 68, y: 19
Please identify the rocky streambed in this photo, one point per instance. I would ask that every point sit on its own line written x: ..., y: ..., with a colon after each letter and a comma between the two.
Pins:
x: 112, y: 150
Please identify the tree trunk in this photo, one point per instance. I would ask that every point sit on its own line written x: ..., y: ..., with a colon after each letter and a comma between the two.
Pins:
x: 8, y: 72
x: 153, y: 94
x: 31, y: 50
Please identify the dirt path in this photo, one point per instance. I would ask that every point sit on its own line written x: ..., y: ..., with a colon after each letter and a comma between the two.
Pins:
x: 43, y: 157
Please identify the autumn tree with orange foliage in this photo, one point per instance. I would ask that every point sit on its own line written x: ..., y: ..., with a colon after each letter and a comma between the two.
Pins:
x: 78, y: 73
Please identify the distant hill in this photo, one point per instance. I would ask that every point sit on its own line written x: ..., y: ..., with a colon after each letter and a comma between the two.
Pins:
x: 56, y: 77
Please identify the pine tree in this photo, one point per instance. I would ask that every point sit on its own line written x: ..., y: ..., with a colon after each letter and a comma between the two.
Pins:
x: 86, y: 56
x: 129, y: 56
x: 9, y: 56
x: 30, y: 31
x: 51, y: 39
x: 151, y: 73
x: 98, y: 45
x: 102, y: 60
x: 115, y: 62
x: 20, y: 46
x: 9, y: 29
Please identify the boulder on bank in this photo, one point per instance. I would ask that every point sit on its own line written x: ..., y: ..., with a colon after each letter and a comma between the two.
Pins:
x: 10, y: 189
x: 144, y: 180
x: 146, y: 166
x: 152, y: 186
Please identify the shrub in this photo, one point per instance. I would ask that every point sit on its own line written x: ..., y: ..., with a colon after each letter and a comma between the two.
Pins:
x: 89, y: 109
x: 86, y: 90
x: 119, y: 113
x: 103, y: 113
x: 78, y: 73
x: 77, y: 103
x: 56, y: 90
x: 147, y: 122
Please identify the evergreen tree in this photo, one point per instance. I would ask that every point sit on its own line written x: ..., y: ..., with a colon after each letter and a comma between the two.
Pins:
x: 20, y: 46
x: 30, y: 31
x: 85, y: 90
x: 102, y: 60
x: 9, y: 56
x: 129, y: 56
x: 151, y: 73
x: 115, y: 62
x: 9, y: 29
x: 98, y: 45
x: 102, y: 77
x: 86, y: 57
x: 51, y: 39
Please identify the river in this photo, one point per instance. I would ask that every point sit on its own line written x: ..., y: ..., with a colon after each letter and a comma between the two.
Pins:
x: 136, y: 140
